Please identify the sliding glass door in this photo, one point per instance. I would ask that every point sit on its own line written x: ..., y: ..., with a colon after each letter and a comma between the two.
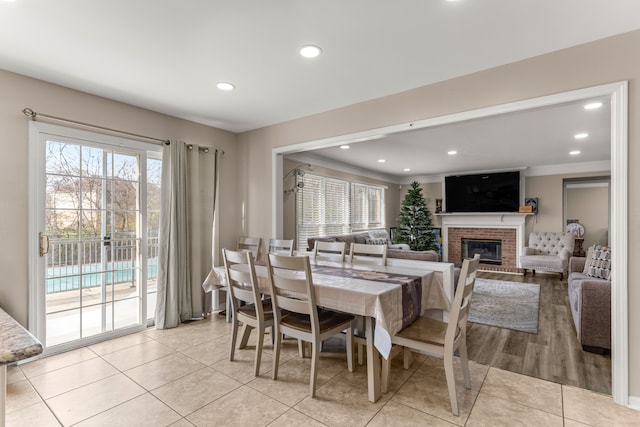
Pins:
x: 98, y: 201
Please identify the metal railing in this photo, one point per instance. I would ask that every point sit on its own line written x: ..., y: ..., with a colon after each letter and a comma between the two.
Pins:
x: 95, y: 261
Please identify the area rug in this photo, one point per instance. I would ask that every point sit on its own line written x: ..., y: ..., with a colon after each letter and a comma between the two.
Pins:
x: 510, y: 305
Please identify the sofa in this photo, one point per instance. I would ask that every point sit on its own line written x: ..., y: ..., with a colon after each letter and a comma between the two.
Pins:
x: 590, y: 302
x: 377, y: 237
x: 548, y: 251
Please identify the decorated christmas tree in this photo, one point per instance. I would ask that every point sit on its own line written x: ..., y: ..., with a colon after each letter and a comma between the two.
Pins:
x: 415, y: 226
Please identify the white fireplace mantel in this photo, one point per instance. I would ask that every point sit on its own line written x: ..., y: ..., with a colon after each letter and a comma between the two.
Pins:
x: 507, y: 220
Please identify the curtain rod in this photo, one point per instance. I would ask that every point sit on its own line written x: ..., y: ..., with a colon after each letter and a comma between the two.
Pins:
x: 33, y: 115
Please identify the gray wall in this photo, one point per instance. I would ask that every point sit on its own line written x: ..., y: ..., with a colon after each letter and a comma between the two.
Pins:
x: 590, y: 206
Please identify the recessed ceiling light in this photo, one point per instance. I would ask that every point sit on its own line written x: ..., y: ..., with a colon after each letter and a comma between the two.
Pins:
x: 345, y: 147
x: 381, y: 160
x: 225, y: 86
x: 593, y: 105
x: 406, y: 169
x: 581, y: 135
x: 310, y: 51
x: 574, y: 152
x: 452, y: 152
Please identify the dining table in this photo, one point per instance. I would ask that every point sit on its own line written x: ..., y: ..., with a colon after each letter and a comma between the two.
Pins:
x: 388, y: 297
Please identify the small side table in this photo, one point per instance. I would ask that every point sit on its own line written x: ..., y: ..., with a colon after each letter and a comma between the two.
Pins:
x: 577, y: 247
x: 16, y: 343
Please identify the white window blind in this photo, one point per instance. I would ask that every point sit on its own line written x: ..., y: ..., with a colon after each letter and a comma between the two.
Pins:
x: 376, y: 207
x: 359, y: 206
x: 367, y: 207
x: 328, y: 206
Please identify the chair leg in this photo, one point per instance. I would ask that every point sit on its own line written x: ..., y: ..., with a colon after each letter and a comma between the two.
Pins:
x: 350, y: 349
x: 276, y: 353
x: 259, y: 344
x: 315, y: 353
x: 359, y: 325
x: 234, y: 336
x: 464, y: 361
x: 360, y: 349
x: 386, y: 367
x: 301, y: 348
x: 451, y: 382
x: 246, y: 332
x: 407, y: 358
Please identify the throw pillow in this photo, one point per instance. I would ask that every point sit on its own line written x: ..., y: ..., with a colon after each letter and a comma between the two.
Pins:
x: 377, y: 242
x: 587, y: 261
x: 378, y: 234
x: 600, y: 265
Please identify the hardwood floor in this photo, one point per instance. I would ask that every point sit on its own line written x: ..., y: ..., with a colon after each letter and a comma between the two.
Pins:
x: 554, y: 354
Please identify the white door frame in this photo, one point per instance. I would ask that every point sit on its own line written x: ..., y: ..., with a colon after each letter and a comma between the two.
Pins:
x: 36, y: 273
x: 617, y: 94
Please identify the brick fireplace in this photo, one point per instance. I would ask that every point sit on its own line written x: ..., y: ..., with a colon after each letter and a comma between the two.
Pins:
x: 508, y: 228
x: 505, y: 235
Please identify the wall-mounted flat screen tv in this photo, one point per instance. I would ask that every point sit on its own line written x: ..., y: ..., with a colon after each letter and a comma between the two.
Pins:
x: 486, y: 192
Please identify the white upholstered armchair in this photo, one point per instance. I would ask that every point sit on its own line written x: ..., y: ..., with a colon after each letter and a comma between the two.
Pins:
x: 548, y: 251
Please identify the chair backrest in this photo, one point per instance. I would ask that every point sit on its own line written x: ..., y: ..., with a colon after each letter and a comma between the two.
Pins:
x: 292, y: 286
x: 282, y: 247
x: 361, y: 252
x: 252, y: 244
x: 551, y: 243
x: 459, y: 311
x: 241, y: 275
x: 333, y: 250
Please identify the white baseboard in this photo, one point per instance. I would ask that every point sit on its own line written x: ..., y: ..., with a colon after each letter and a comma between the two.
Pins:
x: 634, y: 402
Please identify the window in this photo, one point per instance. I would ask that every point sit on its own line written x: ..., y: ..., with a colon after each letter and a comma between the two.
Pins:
x: 328, y: 206
x: 367, y: 209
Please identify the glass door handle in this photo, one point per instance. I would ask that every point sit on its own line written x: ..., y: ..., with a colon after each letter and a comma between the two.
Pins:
x: 43, y: 243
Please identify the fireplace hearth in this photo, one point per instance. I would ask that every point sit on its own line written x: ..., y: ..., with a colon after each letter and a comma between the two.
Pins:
x: 490, y: 250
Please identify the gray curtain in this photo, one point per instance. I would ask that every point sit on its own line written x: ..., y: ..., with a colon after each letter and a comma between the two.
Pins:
x: 215, y: 242
x: 180, y: 296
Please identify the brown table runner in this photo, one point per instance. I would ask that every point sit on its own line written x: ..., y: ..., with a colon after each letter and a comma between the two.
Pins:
x: 411, y: 287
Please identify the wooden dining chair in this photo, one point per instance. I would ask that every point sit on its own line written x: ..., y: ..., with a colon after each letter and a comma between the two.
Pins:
x: 292, y: 290
x: 256, y: 313
x: 438, y: 338
x: 252, y: 244
x: 331, y: 251
x: 282, y: 247
x: 370, y: 254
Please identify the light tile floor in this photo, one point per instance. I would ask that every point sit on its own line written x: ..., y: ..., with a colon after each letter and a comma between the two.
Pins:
x: 182, y: 377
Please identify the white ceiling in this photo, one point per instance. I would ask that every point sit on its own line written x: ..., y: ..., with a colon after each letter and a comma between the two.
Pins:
x: 167, y: 55
x: 518, y: 140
